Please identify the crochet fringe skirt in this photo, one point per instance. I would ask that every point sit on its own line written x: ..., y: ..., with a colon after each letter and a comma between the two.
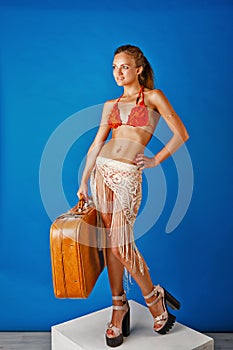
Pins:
x: 117, y: 192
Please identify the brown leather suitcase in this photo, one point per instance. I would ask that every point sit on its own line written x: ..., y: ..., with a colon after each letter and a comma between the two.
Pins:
x: 77, y: 260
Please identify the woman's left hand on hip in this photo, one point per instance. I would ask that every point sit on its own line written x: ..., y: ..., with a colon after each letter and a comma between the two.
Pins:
x: 144, y: 162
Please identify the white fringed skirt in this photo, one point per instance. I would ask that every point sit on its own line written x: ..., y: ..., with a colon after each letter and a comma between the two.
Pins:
x: 117, y: 192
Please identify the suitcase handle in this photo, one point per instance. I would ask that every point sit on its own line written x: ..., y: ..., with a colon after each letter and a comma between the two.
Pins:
x: 80, y: 206
x: 81, y: 203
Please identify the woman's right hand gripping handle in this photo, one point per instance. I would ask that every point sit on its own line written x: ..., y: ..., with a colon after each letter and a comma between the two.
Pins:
x: 83, y: 191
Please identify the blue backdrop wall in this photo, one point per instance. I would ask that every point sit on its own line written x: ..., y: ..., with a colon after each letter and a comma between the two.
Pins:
x: 56, y: 61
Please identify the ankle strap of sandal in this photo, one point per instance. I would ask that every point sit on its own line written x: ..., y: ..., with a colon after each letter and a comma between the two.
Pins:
x: 124, y: 307
x: 120, y: 298
x: 155, y: 292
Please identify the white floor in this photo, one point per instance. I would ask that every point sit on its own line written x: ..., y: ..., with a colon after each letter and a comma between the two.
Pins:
x: 75, y: 334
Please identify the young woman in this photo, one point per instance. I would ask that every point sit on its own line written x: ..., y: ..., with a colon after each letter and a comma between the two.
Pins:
x: 115, y: 172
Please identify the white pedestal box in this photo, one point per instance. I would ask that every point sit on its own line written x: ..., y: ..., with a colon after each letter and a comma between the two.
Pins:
x: 88, y: 333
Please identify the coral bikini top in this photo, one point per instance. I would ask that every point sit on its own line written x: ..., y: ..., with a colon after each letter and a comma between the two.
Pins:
x: 138, y: 115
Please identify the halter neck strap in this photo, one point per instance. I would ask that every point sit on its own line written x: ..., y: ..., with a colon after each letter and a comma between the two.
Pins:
x: 140, y: 93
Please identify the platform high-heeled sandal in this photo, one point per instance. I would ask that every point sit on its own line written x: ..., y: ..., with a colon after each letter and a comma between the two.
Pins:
x: 114, y: 335
x: 164, y: 322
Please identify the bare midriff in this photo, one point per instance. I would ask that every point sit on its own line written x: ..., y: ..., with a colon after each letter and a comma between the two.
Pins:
x: 126, y: 143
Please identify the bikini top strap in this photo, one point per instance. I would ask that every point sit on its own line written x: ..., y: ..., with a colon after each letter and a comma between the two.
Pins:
x: 118, y: 100
x: 141, y: 94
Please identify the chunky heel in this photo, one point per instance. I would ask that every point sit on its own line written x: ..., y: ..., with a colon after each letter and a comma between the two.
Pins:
x: 114, y: 335
x: 164, y: 322
x: 126, y: 324
x: 172, y: 301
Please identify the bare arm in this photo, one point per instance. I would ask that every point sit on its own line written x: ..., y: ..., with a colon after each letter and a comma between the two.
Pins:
x: 93, y: 152
x: 180, y: 134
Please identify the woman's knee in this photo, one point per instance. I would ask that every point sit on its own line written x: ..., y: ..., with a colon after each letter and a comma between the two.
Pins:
x: 116, y: 252
x: 120, y: 254
x: 107, y: 220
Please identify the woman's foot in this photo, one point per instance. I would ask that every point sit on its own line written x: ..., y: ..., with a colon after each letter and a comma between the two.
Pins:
x: 155, y: 305
x: 119, y: 326
x: 156, y: 301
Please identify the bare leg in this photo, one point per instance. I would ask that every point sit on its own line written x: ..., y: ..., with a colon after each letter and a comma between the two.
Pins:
x: 116, y: 264
x: 143, y: 280
x: 115, y: 275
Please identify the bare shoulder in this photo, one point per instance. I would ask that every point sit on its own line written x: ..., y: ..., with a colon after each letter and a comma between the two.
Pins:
x: 154, y: 97
x: 107, y: 107
x: 109, y: 104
